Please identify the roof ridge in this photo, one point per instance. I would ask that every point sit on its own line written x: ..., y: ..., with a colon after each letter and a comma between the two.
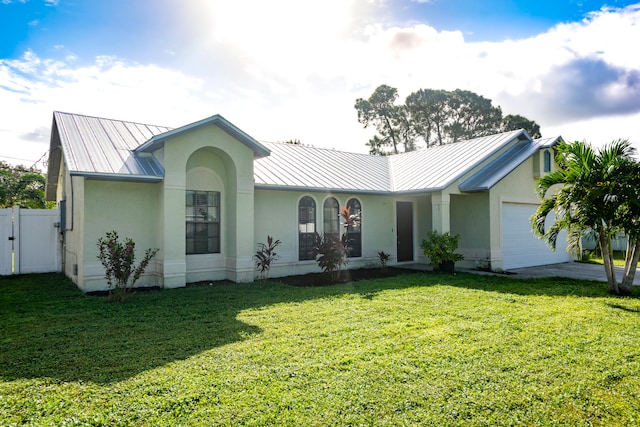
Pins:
x: 303, y: 146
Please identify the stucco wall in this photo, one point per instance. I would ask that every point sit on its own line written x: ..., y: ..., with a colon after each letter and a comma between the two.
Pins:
x: 470, y: 220
x: 131, y: 209
x: 276, y: 215
x: 517, y: 187
x: 207, y: 148
x: 70, y: 190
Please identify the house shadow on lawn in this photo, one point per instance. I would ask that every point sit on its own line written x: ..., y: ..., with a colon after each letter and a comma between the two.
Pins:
x: 49, y: 329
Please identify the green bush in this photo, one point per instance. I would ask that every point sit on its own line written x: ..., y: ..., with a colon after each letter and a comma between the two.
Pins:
x: 440, y: 248
x: 332, y: 252
x: 117, y: 259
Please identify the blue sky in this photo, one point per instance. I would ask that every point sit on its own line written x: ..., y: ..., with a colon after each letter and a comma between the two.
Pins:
x: 290, y: 69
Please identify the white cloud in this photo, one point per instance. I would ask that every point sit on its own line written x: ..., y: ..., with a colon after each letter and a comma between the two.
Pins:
x: 286, y: 73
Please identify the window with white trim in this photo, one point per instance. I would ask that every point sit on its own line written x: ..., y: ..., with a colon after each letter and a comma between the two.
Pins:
x: 547, y: 161
x: 331, y: 217
x: 203, y: 222
x: 306, y: 228
x: 354, y: 232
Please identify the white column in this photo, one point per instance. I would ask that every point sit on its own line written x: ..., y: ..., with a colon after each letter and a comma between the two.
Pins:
x: 441, y: 215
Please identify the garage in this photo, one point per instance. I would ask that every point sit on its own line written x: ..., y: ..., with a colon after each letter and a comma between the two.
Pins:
x: 521, y: 248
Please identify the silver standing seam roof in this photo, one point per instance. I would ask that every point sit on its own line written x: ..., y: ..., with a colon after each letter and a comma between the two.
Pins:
x: 114, y: 149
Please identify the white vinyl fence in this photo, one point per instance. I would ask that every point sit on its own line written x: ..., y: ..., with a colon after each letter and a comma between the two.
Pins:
x: 29, y: 241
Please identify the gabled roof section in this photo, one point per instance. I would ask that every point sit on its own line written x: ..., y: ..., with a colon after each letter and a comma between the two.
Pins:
x: 502, y: 165
x: 94, y: 146
x: 435, y: 168
x: 298, y: 167
x: 120, y: 150
x: 158, y: 141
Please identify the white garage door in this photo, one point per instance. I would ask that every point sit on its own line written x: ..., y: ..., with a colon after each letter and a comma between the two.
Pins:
x: 523, y: 249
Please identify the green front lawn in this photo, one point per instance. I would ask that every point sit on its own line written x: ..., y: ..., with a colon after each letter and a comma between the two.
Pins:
x: 595, y: 258
x: 422, y: 349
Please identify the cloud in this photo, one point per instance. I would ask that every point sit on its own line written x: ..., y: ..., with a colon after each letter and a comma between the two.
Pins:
x: 581, y: 89
x: 297, y: 75
x: 38, y: 134
x: 33, y: 88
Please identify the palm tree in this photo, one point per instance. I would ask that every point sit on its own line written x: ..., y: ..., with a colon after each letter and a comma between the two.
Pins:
x: 594, y: 191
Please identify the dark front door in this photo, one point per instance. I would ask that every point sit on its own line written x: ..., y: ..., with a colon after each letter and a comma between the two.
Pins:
x: 404, y: 228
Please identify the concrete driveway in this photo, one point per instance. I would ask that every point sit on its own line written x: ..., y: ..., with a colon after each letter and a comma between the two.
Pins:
x: 573, y: 270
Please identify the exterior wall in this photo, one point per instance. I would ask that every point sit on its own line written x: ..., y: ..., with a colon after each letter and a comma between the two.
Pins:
x: 517, y: 187
x: 276, y: 215
x: 131, y: 209
x: 71, y: 191
x: 188, y: 159
x: 471, y: 220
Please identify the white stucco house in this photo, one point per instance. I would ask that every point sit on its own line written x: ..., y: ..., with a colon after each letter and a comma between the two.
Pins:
x: 206, y: 193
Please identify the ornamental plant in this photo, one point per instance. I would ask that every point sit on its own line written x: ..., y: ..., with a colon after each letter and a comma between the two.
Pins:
x: 331, y: 252
x: 440, y: 248
x: 384, y: 258
x: 118, y: 260
x: 265, y: 256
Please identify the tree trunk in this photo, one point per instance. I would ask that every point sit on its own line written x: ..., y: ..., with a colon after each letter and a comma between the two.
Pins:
x: 605, y: 248
x: 631, y: 263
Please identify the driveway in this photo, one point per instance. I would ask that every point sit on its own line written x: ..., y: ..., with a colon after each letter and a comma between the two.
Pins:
x: 573, y: 270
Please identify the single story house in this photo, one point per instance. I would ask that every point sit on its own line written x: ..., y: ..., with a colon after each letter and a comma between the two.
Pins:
x: 206, y: 193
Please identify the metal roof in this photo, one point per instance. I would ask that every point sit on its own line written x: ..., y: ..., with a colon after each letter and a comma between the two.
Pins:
x: 96, y: 146
x: 301, y: 167
x: 436, y: 168
x: 114, y: 149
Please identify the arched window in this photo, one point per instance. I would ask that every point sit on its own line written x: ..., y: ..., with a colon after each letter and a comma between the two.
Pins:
x: 306, y: 228
x: 331, y: 217
x: 547, y: 161
x: 354, y: 235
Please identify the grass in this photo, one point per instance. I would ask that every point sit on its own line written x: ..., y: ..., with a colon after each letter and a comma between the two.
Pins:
x: 594, y: 257
x: 421, y: 349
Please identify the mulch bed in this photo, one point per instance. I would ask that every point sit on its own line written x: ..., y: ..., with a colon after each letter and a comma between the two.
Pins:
x: 324, y: 279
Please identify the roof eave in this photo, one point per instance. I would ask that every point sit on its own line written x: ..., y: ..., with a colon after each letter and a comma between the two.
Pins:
x: 321, y: 189
x: 54, y: 160
x: 347, y: 190
x: 118, y: 176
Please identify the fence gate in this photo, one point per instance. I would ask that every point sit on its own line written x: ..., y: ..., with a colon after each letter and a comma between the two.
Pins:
x: 29, y: 241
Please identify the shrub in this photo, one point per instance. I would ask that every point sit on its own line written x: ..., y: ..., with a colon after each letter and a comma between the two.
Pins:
x: 331, y: 253
x: 440, y: 248
x: 384, y: 258
x: 118, y: 260
x: 265, y: 256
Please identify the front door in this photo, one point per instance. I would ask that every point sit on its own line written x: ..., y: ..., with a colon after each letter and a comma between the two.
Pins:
x: 404, y: 227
